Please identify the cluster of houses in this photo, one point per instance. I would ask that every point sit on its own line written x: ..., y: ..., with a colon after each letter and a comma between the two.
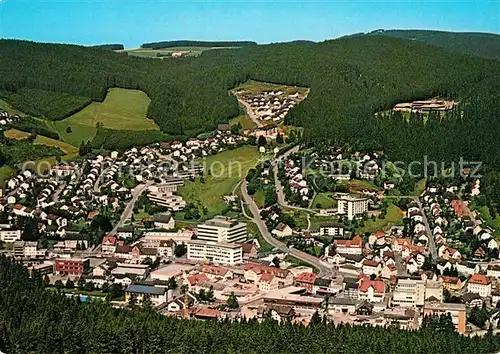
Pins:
x: 271, y: 105
x: 6, y: 118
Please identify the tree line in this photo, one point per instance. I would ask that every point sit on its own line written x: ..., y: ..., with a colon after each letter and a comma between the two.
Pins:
x: 33, y: 319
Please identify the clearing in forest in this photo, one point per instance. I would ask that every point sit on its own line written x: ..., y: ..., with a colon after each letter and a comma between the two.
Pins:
x: 121, y: 110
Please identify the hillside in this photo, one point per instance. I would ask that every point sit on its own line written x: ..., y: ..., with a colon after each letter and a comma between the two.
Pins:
x: 349, y: 79
x: 484, y: 45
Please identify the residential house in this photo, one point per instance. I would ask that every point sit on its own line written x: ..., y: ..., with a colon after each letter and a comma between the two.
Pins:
x: 479, y: 284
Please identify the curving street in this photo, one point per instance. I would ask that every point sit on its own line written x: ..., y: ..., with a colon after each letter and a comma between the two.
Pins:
x: 324, y: 270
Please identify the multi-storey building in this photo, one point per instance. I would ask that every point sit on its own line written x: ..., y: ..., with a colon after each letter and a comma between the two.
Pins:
x: 10, y: 235
x: 216, y: 252
x: 222, y: 229
x: 479, y: 284
x: 409, y: 292
x: 352, y: 206
x: 72, y: 266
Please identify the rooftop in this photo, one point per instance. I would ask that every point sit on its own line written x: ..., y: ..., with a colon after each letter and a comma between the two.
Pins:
x: 145, y: 289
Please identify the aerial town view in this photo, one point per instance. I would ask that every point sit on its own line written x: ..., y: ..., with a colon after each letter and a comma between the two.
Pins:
x: 333, y: 194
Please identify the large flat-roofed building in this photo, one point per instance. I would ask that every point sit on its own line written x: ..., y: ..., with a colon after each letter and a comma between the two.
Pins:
x: 168, y: 186
x: 216, y: 252
x: 457, y: 312
x: 222, y: 229
x: 72, y: 266
x: 9, y: 235
x: 409, y: 292
x: 171, y: 201
x: 351, y: 206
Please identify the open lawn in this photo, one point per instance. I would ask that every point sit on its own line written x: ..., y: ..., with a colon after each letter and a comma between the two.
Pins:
x: 244, y: 120
x: 325, y: 201
x: 121, y: 109
x: 359, y: 184
x: 5, y: 173
x: 419, y: 187
x: 393, y: 217
x: 222, y: 172
x: 260, y: 198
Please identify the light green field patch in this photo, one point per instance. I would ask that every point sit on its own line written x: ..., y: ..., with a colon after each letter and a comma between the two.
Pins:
x: 325, y: 201
x: 5, y: 173
x: 244, y: 120
x: 223, y: 172
x: 393, y: 217
x: 121, y: 110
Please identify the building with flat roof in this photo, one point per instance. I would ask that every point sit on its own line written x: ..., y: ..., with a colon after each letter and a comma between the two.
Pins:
x: 216, y: 252
x: 457, y: 312
x: 409, y: 292
x: 291, y: 296
x: 351, y: 206
x: 72, y: 266
x: 9, y: 235
x: 222, y: 229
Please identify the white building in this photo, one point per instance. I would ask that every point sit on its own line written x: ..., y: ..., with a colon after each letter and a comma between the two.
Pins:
x: 352, y: 206
x: 10, y: 235
x: 479, y: 284
x: 333, y: 229
x: 409, y: 292
x: 216, y: 252
x: 222, y: 229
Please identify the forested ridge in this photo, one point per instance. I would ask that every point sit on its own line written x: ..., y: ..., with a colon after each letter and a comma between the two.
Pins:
x: 186, y: 43
x: 34, y: 320
x: 351, y: 79
x: 485, y: 45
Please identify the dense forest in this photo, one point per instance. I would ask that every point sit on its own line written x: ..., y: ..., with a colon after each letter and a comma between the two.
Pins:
x: 34, y: 320
x: 207, y: 44
x: 110, y: 46
x: 42, y: 103
x: 351, y: 80
x: 484, y: 45
x: 111, y: 139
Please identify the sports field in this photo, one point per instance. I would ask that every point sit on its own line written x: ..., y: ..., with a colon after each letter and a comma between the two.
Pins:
x: 121, y: 109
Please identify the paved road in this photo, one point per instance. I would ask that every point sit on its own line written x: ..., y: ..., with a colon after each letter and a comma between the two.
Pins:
x: 324, y: 269
x: 432, y: 245
x: 250, y: 113
x: 130, y: 206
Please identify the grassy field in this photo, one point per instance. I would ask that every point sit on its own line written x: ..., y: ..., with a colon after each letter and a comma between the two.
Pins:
x: 259, y: 197
x: 121, y: 109
x: 359, y: 184
x: 5, y: 173
x: 42, y: 140
x: 420, y: 187
x: 393, y: 217
x: 222, y: 172
x: 244, y: 120
x: 256, y: 87
x: 325, y: 200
